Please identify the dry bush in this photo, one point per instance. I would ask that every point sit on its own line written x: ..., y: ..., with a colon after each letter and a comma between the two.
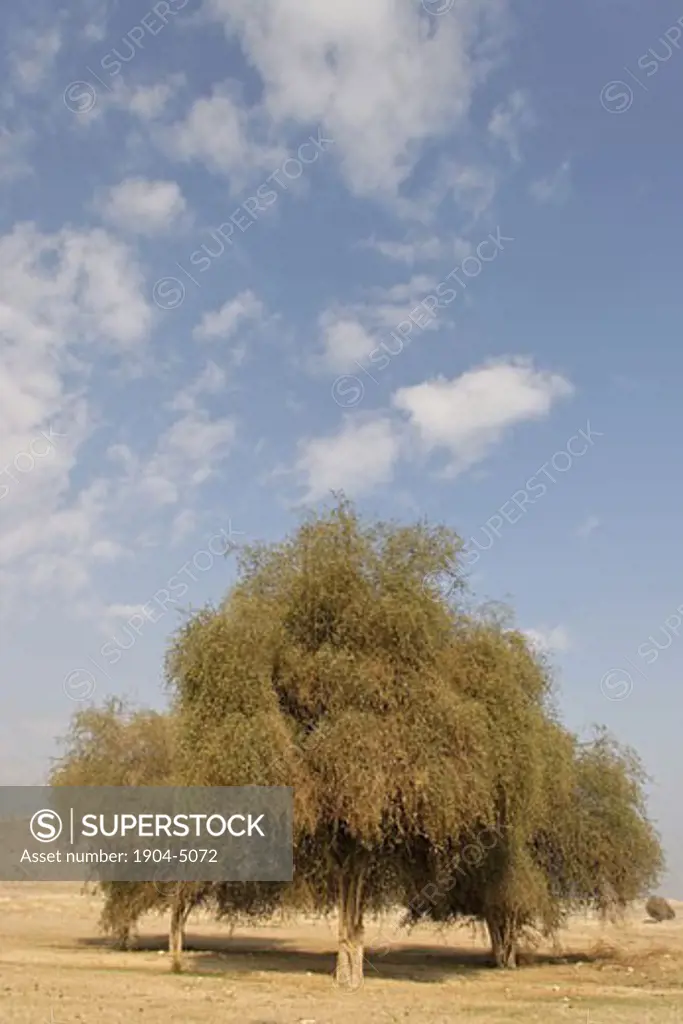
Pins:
x: 659, y: 909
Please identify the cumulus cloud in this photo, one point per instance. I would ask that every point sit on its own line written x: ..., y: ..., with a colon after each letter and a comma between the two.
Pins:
x: 468, y: 415
x: 357, y: 458
x: 224, y: 323
x: 220, y: 132
x: 549, y: 640
x: 345, y: 342
x: 33, y: 57
x: 381, y: 77
x: 63, y: 297
x: 144, y: 207
x: 409, y: 251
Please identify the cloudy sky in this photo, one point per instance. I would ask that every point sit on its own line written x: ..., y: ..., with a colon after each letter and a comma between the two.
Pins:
x: 425, y: 252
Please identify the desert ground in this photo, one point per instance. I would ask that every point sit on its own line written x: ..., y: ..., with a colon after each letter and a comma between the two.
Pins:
x: 55, y: 968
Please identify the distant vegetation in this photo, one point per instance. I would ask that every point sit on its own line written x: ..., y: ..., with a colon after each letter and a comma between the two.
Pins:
x: 430, y: 768
x: 659, y: 909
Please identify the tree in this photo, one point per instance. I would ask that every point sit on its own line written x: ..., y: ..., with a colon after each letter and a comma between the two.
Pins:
x: 324, y: 669
x: 488, y: 872
x: 571, y: 823
x: 117, y: 745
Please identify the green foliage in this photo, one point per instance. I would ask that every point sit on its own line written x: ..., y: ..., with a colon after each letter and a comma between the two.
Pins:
x: 429, y: 765
x: 326, y: 669
x: 116, y: 745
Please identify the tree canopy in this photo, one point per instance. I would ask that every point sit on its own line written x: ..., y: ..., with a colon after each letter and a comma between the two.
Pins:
x: 429, y: 765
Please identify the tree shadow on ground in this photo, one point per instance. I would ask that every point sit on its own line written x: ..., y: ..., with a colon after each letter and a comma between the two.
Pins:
x: 260, y: 954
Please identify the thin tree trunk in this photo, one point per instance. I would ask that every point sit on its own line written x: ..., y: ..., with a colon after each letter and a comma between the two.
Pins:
x: 180, y: 911
x: 503, y: 940
x: 122, y: 938
x: 349, y: 972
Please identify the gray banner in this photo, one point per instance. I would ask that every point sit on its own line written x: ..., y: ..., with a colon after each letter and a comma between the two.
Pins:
x: 145, y: 834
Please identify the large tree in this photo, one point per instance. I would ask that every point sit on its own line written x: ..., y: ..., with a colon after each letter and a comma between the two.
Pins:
x: 571, y: 825
x: 325, y: 669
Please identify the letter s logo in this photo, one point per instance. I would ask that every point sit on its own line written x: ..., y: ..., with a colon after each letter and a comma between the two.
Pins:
x: 46, y: 826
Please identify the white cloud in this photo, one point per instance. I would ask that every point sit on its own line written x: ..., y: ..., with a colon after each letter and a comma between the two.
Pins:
x: 149, y: 102
x: 510, y: 119
x: 588, y: 526
x: 186, y: 456
x: 408, y: 291
x: 554, y: 189
x: 469, y: 414
x: 63, y: 297
x: 144, y: 207
x: 388, y: 306
x: 555, y: 640
x: 380, y: 77
x: 345, y: 342
x: 471, y: 187
x: 33, y: 58
x: 225, y: 322
x: 220, y: 132
x: 211, y: 381
x: 114, y: 613
x: 411, y: 251
x: 357, y: 458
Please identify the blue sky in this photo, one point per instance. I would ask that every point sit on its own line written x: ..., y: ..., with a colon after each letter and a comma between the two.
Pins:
x: 441, y: 252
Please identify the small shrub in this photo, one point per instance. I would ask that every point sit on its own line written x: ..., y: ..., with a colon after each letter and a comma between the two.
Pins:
x: 659, y: 909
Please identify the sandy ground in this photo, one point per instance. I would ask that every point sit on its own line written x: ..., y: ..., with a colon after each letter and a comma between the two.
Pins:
x: 55, y: 969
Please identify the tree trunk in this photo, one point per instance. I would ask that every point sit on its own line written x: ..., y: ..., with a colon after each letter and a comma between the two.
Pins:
x: 503, y: 940
x: 349, y: 972
x: 122, y: 938
x: 180, y: 911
